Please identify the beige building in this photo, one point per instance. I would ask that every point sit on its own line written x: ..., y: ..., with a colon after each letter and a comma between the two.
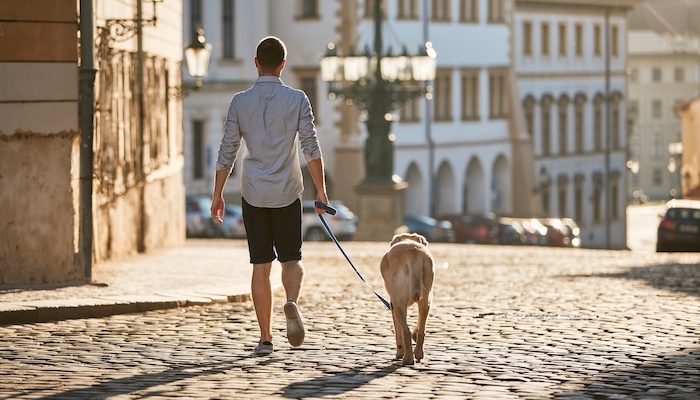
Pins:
x: 664, y: 71
x: 138, y: 196
x: 690, y: 168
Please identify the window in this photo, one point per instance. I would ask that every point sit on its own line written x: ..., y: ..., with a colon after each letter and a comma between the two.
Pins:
x: 656, y: 109
x: 578, y: 31
x: 228, y: 31
x: 679, y: 74
x: 562, y: 201
x: 563, y: 125
x: 529, y: 108
x: 562, y: 40
x: 498, y: 93
x: 527, y: 38
x: 597, y: 41
x: 496, y: 10
x: 545, y: 38
x: 597, y: 192
x: 614, y: 40
x: 469, y: 11
x: 613, y: 200
x: 579, y: 104
x: 369, y: 8
x: 656, y: 74
x: 408, y: 9
x: 598, y: 105
x: 410, y: 111
x: 443, y: 95
x: 307, y: 83
x: 440, y: 10
x: 615, y: 121
x: 578, y: 203
x: 308, y: 9
x: 198, y: 150
x: 658, y: 177
x: 470, y: 95
x: 546, y: 114
x: 658, y: 149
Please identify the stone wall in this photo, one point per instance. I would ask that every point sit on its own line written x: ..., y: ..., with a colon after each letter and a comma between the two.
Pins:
x: 38, y: 142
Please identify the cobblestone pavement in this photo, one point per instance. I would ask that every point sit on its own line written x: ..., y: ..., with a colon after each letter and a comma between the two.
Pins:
x: 506, y: 322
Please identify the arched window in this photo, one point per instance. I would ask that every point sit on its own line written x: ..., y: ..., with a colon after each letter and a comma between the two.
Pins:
x: 615, y: 120
x: 563, y: 110
x: 529, y: 108
x: 546, y: 123
x: 598, y: 107
x: 579, y: 122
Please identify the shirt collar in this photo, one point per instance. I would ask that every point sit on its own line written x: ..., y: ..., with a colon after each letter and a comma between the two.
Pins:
x: 269, y: 79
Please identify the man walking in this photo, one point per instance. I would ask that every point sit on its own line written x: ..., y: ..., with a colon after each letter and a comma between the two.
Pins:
x: 274, y: 120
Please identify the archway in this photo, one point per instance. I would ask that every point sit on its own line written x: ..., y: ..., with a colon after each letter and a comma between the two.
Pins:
x: 415, y: 193
x: 446, y: 202
x: 474, y: 188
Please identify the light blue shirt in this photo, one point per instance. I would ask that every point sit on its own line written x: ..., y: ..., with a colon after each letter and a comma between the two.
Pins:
x: 273, y: 119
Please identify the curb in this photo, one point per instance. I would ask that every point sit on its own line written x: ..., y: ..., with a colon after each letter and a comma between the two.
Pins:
x: 37, y: 311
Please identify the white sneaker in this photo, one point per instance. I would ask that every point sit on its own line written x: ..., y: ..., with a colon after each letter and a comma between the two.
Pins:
x: 295, y: 328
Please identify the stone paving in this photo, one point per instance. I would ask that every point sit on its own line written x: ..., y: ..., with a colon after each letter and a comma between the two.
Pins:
x: 506, y: 322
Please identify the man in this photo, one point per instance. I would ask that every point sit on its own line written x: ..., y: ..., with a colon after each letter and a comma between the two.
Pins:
x: 273, y: 119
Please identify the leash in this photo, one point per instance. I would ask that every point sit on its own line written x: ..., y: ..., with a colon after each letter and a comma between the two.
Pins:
x: 330, y: 210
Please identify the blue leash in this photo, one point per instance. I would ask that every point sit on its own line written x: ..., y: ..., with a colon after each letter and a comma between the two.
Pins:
x: 332, y: 211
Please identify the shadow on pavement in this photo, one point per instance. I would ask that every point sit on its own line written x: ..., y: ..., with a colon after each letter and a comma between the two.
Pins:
x: 336, y: 383
x: 675, y: 377
x: 674, y: 277
x: 123, y: 386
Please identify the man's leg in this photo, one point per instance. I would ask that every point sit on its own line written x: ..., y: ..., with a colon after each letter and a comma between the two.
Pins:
x: 292, y: 278
x: 262, y: 299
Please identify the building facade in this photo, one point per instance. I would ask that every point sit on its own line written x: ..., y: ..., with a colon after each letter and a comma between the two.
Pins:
x: 138, y: 196
x: 570, y: 60
x: 664, y: 71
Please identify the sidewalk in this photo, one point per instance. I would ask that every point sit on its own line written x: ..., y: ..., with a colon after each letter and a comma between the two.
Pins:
x: 202, y: 271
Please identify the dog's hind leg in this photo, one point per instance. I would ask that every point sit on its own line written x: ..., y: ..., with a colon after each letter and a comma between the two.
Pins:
x: 423, y: 311
x: 398, y: 333
x: 403, y: 333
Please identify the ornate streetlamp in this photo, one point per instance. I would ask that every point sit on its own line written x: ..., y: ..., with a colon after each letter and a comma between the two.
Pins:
x: 377, y: 83
x: 197, y: 55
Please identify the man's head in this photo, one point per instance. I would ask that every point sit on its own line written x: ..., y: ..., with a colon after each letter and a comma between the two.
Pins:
x: 270, y: 55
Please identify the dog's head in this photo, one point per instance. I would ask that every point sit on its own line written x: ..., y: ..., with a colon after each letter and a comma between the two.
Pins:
x: 409, y: 236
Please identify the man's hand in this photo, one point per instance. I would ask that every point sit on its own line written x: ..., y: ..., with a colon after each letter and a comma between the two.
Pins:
x: 217, y: 209
x: 323, y: 198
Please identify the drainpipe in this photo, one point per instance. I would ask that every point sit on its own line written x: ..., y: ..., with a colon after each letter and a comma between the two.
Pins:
x: 141, y: 230
x: 86, y: 111
x: 608, y: 126
x: 432, y: 202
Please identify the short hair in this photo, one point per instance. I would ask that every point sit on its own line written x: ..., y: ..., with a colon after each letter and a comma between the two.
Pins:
x: 271, y: 52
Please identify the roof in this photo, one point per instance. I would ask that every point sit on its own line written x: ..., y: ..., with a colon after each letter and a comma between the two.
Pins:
x: 683, y: 203
x: 674, y: 17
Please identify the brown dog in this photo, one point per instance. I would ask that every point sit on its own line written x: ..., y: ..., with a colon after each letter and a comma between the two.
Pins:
x: 408, y: 270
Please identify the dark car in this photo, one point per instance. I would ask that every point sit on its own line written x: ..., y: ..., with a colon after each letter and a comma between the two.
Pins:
x: 432, y: 229
x: 562, y: 232
x: 679, y: 229
x: 479, y: 228
x: 511, y: 232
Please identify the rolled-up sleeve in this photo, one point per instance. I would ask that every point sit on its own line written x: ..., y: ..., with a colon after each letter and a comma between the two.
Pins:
x: 231, y: 141
x: 308, y: 139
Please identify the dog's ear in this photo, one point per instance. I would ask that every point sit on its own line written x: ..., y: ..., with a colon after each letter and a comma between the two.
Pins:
x: 421, y: 239
x: 397, y: 238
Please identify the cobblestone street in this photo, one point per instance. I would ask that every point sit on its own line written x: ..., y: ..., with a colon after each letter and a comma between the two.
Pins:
x: 506, y: 322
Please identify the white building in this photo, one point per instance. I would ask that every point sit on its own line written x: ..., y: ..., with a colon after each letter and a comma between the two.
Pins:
x: 569, y: 57
x: 664, y: 70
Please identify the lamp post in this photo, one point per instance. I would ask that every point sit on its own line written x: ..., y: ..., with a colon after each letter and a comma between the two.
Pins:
x: 197, y: 55
x: 377, y: 82
x: 675, y: 149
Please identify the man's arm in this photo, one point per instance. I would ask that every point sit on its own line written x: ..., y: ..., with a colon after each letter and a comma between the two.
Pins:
x: 318, y: 175
x: 217, y: 198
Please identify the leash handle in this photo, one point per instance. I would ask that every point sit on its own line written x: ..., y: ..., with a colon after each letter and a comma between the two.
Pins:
x: 332, y: 236
x: 330, y: 210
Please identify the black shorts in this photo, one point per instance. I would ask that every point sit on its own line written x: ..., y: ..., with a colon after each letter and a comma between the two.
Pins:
x: 273, y: 232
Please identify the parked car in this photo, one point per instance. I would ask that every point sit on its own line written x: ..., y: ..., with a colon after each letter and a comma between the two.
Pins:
x: 432, y: 229
x: 198, y: 220
x: 343, y: 224
x: 535, y: 232
x: 479, y: 228
x: 511, y: 232
x: 679, y: 229
x: 233, y: 226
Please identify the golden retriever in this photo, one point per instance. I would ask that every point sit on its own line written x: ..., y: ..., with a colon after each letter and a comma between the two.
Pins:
x: 408, y: 269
